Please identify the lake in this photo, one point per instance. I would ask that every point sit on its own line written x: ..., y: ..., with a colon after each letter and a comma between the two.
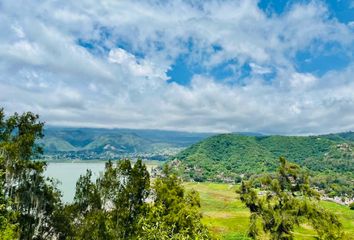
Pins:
x: 68, y: 173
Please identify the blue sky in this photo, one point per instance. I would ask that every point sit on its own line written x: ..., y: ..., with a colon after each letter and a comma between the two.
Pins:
x: 279, y: 67
x: 323, y: 56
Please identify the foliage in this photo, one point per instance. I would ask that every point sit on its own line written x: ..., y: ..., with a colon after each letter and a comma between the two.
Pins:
x: 29, y: 198
x: 231, y: 157
x: 120, y: 205
x: 111, y: 207
x: 228, y: 218
x: 286, y: 202
x: 351, y: 206
x: 8, y: 230
x: 174, y: 213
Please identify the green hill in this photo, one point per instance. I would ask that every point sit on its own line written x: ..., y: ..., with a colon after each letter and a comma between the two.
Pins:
x: 224, y: 156
x: 55, y: 144
x: 230, y: 157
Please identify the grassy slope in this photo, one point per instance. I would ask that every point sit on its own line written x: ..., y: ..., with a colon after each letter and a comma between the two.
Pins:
x: 227, y: 217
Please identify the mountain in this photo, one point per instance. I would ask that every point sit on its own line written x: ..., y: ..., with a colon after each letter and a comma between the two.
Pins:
x: 227, y: 157
x: 341, y: 137
x: 95, y: 143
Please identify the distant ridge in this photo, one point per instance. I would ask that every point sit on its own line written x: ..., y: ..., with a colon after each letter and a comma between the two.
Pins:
x: 96, y: 143
x: 255, y: 134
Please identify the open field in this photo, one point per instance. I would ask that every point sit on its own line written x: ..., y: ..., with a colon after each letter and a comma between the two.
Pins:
x: 227, y: 217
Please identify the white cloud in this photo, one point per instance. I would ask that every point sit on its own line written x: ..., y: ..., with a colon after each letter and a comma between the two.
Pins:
x: 259, y: 69
x: 300, y: 81
x: 139, y: 68
x: 121, y: 81
x: 69, y: 17
x: 23, y: 51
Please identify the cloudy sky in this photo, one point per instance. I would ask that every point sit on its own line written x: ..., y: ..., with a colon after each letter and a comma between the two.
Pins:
x: 188, y: 65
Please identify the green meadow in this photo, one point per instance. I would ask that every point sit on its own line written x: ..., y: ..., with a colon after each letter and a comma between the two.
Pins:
x: 227, y: 217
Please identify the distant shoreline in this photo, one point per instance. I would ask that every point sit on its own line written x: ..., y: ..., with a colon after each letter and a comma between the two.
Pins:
x: 150, y: 162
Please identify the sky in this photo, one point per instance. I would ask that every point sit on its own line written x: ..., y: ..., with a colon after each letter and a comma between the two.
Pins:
x: 268, y: 66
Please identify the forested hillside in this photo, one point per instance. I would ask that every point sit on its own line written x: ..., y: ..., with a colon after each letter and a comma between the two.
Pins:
x: 230, y: 157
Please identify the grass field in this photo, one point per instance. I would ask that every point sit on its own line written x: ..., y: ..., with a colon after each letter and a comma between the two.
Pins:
x: 227, y: 217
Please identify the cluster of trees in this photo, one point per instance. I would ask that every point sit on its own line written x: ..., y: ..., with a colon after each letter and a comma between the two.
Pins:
x: 120, y: 204
x: 286, y: 201
x: 334, y: 184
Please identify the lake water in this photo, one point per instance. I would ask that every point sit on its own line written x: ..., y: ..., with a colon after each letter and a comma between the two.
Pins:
x: 69, y: 173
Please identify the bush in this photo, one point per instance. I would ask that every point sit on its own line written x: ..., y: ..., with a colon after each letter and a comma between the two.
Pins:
x: 351, y: 206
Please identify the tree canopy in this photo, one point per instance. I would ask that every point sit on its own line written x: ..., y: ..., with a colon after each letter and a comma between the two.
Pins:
x: 31, y: 200
x: 283, y: 202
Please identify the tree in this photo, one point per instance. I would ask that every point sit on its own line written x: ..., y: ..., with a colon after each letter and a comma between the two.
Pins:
x: 8, y: 231
x: 30, y: 206
x: 129, y: 201
x: 173, y: 214
x: 111, y: 207
x: 87, y: 214
x: 120, y: 205
x: 27, y: 194
x: 287, y: 201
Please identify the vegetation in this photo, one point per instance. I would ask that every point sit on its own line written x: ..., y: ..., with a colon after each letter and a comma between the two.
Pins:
x: 110, y: 207
x: 286, y: 202
x: 123, y: 204
x: 228, y: 218
x: 232, y: 157
x: 28, y: 202
x: 174, y: 213
x: 115, y: 206
x: 351, y: 206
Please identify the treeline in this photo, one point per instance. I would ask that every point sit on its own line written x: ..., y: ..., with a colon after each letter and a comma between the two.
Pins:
x: 120, y: 204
